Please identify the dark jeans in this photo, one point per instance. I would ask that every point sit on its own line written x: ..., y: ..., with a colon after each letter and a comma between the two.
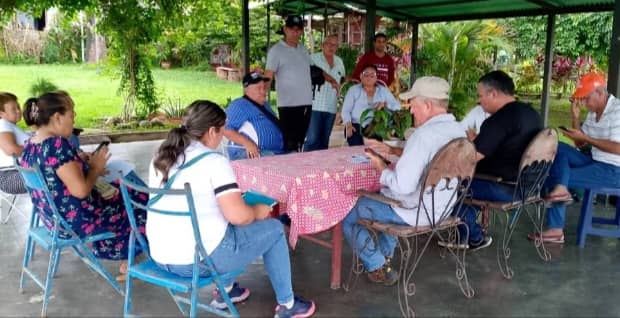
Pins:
x: 481, y: 190
x: 356, y: 138
x: 294, y: 121
x: 321, y: 124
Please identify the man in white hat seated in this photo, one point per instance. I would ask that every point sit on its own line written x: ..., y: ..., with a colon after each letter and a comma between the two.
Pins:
x: 428, y: 102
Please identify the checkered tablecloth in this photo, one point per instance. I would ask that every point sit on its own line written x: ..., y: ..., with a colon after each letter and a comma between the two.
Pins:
x: 317, y: 189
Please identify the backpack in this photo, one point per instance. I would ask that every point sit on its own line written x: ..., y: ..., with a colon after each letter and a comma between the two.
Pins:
x: 317, y: 78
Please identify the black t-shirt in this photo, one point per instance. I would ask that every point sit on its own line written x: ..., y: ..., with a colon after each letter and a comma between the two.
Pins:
x: 503, y: 138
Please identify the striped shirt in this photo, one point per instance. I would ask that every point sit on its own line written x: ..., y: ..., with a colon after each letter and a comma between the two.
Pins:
x: 326, y: 97
x: 243, y: 110
x: 607, y: 128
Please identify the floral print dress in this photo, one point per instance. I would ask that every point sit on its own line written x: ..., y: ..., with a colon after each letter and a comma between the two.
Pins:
x: 89, y: 216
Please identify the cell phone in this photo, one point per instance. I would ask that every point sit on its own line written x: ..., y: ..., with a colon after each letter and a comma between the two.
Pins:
x: 563, y: 128
x: 373, y: 152
x: 103, y: 143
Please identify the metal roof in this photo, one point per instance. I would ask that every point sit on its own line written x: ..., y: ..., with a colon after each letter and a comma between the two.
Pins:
x: 423, y: 11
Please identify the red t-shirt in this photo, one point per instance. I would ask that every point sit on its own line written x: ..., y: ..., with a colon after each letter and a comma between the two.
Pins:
x: 385, y: 67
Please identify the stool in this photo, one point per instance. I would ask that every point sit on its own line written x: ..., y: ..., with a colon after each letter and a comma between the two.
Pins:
x: 587, y: 219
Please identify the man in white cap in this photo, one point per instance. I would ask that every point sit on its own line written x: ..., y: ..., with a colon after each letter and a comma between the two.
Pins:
x: 428, y: 101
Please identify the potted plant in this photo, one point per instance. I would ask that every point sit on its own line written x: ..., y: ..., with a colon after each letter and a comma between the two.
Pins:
x: 165, y: 53
x: 387, y: 125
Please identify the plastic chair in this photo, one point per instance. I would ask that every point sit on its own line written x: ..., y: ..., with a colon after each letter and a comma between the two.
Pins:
x: 533, y: 170
x: 52, y: 242
x: 587, y: 219
x: 452, y: 169
x: 150, y: 272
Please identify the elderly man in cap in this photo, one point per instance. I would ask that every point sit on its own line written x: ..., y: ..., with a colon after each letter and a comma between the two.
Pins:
x: 289, y: 63
x: 428, y: 101
x: 574, y: 169
x: 251, y: 126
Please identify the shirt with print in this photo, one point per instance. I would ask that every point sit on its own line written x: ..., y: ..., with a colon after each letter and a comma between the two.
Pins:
x: 385, y: 67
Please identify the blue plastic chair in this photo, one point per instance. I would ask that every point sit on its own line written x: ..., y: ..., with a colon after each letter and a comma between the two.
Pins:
x: 150, y: 272
x: 52, y: 242
x: 587, y: 218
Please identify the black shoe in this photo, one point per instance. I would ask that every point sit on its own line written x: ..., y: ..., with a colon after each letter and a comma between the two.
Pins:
x: 485, y: 242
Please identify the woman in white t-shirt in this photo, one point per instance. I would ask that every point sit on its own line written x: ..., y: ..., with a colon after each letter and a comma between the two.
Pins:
x: 12, y: 140
x: 234, y: 234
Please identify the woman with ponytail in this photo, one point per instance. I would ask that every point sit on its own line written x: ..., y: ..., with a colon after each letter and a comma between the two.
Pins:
x: 71, y: 179
x: 233, y: 233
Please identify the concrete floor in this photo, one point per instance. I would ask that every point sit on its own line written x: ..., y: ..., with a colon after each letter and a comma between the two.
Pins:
x: 575, y: 283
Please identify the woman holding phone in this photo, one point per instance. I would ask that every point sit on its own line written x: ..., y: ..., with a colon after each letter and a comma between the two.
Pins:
x: 71, y: 180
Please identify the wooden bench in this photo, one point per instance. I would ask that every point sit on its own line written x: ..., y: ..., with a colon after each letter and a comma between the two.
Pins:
x: 228, y: 73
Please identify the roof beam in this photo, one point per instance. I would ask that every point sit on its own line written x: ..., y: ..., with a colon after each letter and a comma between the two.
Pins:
x: 432, y: 4
x: 390, y: 10
x: 543, y: 4
x: 518, y: 13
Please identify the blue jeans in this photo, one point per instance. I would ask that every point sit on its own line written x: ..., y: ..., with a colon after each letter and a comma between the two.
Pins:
x: 317, y: 137
x: 574, y: 169
x: 243, y: 244
x: 359, y: 238
x: 356, y: 137
x: 236, y: 152
x: 481, y: 190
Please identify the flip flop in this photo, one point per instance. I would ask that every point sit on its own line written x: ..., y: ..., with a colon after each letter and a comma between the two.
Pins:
x: 548, y: 238
x: 562, y: 198
x: 121, y: 277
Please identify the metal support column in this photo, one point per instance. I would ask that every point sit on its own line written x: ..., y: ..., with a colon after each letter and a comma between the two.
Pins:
x: 245, y: 29
x: 371, y: 15
x: 413, y: 55
x: 546, y: 89
x: 613, y: 80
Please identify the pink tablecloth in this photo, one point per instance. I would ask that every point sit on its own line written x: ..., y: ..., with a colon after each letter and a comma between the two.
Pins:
x: 316, y: 189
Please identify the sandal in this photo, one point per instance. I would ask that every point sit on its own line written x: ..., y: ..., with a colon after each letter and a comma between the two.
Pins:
x: 547, y: 238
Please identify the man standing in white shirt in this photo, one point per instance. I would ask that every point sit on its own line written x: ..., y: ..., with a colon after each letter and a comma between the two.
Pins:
x: 574, y: 169
x: 428, y: 101
x: 324, y: 104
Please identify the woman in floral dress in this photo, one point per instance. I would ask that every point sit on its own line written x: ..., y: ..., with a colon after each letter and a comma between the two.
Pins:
x: 71, y: 180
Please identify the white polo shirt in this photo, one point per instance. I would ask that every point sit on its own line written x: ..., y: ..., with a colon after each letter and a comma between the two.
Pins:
x: 171, y: 238
x: 607, y: 128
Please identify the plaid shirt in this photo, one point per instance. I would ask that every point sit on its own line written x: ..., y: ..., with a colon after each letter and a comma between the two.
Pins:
x: 326, y: 97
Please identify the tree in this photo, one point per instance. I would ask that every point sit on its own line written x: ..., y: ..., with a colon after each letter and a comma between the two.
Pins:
x: 131, y: 25
x: 584, y: 34
x: 461, y: 52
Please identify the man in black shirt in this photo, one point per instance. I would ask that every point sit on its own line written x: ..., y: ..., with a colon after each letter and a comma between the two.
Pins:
x: 500, y: 144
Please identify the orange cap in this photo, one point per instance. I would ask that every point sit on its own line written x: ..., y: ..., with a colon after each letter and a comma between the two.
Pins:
x: 588, y: 83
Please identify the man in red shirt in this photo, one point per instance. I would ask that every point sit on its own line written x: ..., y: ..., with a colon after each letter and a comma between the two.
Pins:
x: 379, y: 58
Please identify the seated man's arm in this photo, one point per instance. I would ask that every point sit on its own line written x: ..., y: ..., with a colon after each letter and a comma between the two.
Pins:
x: 406, y: 175
x: 250, y: 147
x: 602, y: 144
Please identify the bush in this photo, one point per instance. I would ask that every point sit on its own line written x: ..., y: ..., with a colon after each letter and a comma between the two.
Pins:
x: 173, y: 108
x: 42, y: 86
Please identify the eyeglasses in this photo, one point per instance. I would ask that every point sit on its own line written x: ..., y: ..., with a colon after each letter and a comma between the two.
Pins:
x: 369, y: 74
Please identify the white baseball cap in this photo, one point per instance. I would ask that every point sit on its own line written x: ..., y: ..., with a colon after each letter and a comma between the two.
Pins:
x: 428, y: 86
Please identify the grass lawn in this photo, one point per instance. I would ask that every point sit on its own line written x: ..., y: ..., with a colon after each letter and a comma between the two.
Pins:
x: 95, y: 93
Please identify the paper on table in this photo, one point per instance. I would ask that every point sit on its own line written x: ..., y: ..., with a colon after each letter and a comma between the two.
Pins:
x: 117, y: 169
x: 359, y: 159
